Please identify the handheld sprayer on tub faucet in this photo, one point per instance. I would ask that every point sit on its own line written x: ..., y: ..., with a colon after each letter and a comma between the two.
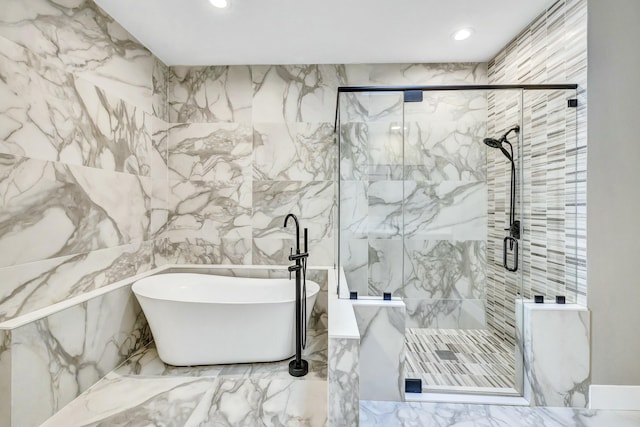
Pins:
x: 299, y: 367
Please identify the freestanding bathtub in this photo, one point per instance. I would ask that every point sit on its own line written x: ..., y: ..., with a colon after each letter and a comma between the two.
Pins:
x: 202, y: 319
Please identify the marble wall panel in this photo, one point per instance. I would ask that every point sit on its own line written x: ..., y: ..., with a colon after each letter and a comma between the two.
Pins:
x: 159, y: 216
x: 444, y: 269
x: 427, y: 74
x: 276, y: 251
x: 210, y: 152
x: 313, y: 202
x: 386, y: 149
x: 343, y: 382
x: 5, y: 377
x: 381, y: 358
x: 354, y: 209
x: 354, y: 107
x: 80, y: 38
x: 556, y: 354
x: 28, y: 287
x: 386, y: 203
x: 209, y: 223
x: 209, y: 210
x: 50, y: 114
x: 210, y: 94
x: 302, y: 93
x: 354, y: 153
x: 446, y: 313
x: 385, y: 269
x: 160, y: 81
x: 64, y: 354
x: 158, y: 152
x: 450, y: 210
x: 293, y: 151
x: 355, y: 260
x: 52, y: 210
x: 438, y: 151
x: 181, y: 250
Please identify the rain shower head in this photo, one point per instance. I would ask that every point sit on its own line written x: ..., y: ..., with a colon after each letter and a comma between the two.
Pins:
x: 497, y: 143
x: 493, y: 143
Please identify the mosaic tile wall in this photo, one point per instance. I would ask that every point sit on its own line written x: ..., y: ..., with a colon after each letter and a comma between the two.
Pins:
x: 553, y: 49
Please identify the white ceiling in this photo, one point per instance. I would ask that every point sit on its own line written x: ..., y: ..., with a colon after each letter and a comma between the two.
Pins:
x: 192, y: 32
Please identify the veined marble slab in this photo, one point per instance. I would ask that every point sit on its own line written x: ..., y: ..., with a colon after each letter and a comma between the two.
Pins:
x: 32, y: 286
x: 50, y: 114
x: 294, y: 151
x: 313, y: 202
x: 343, y: 382
x: 382, y: 347
x: 67, y: 352
x: 78, y: 37
x: 210, y: 152
x: 146, y: 363
x: 193, y: 401
x: 210, y: 94
x: 410, y: 414
x: 306, y: 93
x: 556, y: 354
x: 67, y: 209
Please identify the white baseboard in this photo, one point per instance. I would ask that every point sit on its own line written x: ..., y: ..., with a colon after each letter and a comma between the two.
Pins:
x: 615, y: 397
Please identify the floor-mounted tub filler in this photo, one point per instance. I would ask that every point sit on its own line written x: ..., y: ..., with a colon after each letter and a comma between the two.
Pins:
x: 202, y: 319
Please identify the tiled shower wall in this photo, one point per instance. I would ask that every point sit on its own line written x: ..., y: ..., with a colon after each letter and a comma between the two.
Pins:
x: 249, y: 144
x: 553, y: 49
x: 414, y: 202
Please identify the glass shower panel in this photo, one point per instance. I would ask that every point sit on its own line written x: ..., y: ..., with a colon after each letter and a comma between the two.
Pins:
x: 550, y: 176
x: 504, y: 287
x: 371, y: 198
x: 426, y: 201
x: 445, y: 213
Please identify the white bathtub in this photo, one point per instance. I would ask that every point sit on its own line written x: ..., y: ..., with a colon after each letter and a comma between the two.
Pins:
x: 202, y: 319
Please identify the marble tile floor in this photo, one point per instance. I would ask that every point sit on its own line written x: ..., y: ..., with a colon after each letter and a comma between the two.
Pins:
x: 146, y: 392
x: 465, y: 359
x: 415, y: 414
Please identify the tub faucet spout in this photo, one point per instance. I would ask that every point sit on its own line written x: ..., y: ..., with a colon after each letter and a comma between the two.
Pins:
x: 299, y: 367
x: 295, y: 219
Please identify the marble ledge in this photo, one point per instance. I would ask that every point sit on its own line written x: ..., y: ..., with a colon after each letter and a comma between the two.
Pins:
x: 25, y: 319
x: 54, y: 308
x: 552, y: 306
x: 342, y: 318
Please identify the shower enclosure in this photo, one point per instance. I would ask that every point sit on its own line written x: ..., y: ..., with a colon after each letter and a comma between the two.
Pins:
x: 460, y: 200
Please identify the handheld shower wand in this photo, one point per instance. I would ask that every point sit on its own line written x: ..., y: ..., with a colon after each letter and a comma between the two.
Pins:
x: 514, y: 225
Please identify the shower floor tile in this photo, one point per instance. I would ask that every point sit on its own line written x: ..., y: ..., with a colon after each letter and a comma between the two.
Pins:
x: 462, y: 358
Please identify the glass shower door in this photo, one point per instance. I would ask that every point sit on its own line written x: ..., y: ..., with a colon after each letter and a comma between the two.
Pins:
x: 371, y: 191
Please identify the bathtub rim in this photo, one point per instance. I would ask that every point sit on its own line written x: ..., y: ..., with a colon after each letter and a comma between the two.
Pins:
x: 44, y: 312
x: 230, y: 303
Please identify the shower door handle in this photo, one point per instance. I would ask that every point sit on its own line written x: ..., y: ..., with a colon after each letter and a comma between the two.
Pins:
x: 514, y: 244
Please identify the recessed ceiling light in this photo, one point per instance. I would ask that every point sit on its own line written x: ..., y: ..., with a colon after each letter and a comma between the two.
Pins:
x: 219, y: 3
x: 462, y: 34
